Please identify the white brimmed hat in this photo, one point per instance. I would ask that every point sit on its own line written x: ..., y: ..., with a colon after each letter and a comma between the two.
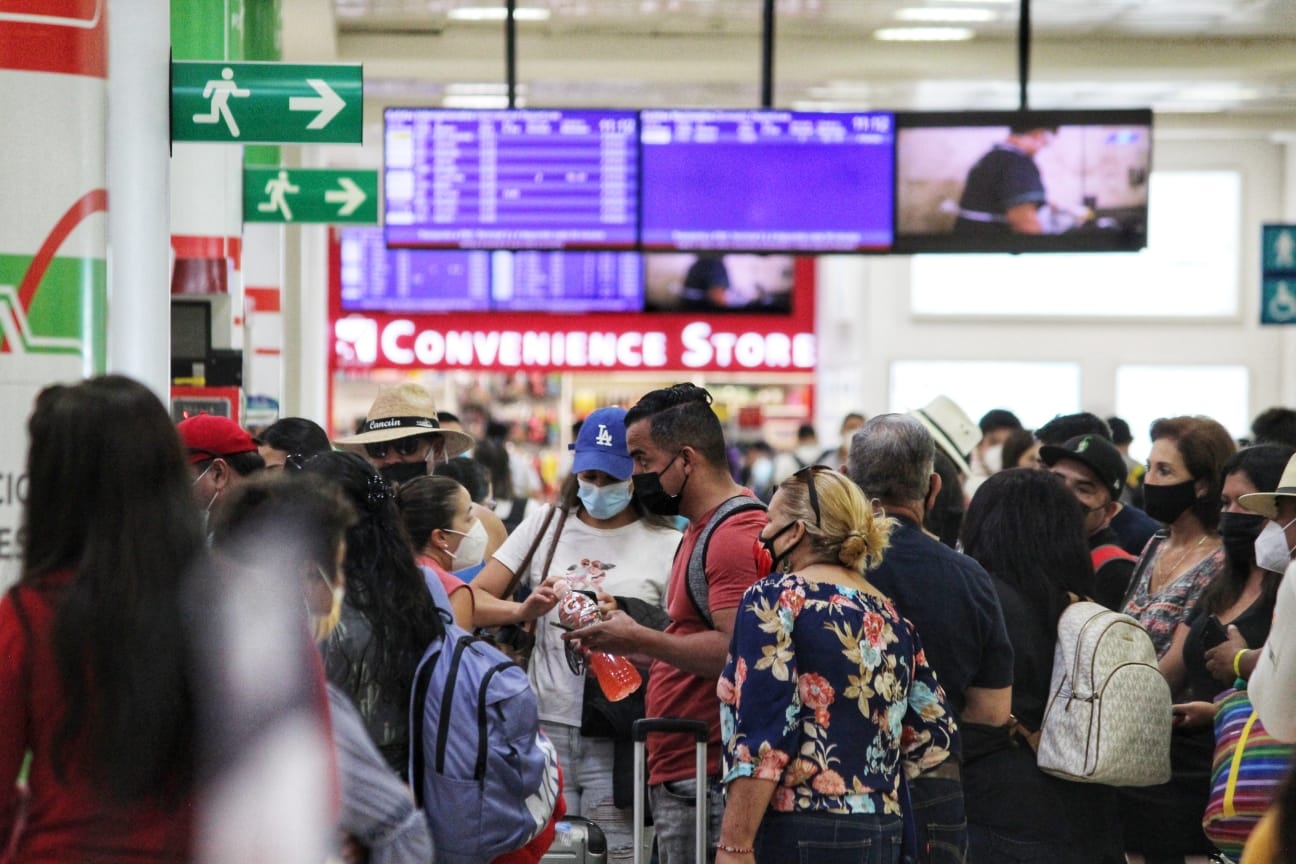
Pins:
x: 1266, y: 503
x: 954, y: 432
x: 404, y: 411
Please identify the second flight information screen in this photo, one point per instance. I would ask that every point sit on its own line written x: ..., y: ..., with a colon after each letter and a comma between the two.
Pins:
x: 767, y: 180
x: 459, y: 179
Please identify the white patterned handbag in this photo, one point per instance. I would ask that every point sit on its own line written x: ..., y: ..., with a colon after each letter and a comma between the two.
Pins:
x: 1108, y: 718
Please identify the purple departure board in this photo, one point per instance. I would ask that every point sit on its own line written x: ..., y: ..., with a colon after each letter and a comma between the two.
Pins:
x: 766, y: 181
x: 525, y: 179
x: 377, y: 279
x: 568, y: 282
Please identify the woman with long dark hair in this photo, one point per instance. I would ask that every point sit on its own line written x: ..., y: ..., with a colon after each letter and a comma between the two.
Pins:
x: 94, y: 674
x: 1027, y: 530
x: 388, y: 618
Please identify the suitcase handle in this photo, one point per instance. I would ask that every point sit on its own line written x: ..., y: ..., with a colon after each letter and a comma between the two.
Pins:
x: 642, y: 728
x: 701, y: 733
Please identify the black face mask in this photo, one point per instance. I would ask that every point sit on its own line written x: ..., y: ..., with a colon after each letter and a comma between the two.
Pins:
x: 1167, y: 503
x: 403, y: 472
x: 768, y: 543
x: 648, y: 491
x: 1239, y: 532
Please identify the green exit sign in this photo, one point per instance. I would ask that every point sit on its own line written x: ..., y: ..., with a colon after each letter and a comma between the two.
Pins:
x: 310, y: 195
x: 267, y: 103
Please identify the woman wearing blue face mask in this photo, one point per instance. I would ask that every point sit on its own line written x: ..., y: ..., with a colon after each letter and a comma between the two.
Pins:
x: 598, y: 539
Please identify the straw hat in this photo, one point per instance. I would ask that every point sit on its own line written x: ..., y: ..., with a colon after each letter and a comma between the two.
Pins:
x: 954, y: 432
x: 404, y: 411
x: 1266, y: 503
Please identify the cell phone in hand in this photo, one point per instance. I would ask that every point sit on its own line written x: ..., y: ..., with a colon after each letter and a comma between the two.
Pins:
x: 1213, y: 633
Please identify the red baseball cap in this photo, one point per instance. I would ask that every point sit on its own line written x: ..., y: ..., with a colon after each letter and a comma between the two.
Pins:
x: 210, y: 437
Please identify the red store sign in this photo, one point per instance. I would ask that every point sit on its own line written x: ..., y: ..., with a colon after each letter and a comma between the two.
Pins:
x: 594, y: 342
x: 590, y: 343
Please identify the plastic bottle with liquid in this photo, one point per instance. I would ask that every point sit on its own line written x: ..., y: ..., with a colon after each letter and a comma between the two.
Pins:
x: 616, y: 675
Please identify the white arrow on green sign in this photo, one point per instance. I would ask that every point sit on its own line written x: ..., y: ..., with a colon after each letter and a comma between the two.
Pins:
x: 310, y: 195
x: 267, y: 103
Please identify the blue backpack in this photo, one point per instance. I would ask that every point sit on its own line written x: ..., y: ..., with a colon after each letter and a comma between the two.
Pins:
x: 482, y: 770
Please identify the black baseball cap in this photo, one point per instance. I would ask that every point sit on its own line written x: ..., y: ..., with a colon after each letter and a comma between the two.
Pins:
x: 1094, y: 452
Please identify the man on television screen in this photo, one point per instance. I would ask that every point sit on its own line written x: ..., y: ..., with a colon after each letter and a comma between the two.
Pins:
x: 1003, y: 193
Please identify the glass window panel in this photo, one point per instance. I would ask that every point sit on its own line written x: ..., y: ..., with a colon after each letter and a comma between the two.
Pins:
x: 1188, y: 270
x: 1145, y: 393
x: 1035, y: 392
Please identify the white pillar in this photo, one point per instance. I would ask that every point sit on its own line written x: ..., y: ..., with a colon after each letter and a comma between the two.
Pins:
x: 139, y: 139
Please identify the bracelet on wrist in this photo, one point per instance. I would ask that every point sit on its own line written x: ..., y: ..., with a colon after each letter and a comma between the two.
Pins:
x: 1237, y: 662
x: 735, y: 850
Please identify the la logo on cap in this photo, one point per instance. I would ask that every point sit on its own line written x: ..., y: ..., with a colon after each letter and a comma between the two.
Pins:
x: 604, y: 438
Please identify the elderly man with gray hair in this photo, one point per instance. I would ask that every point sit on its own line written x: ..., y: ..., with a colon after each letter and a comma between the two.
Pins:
x: 952, y: 602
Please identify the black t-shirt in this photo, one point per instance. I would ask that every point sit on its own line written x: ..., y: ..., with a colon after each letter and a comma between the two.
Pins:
x: 1134, y: 528
x: 1112, y: 579
x: 951, y: 601
x: 1253, y: 623
x: 1001, y: 179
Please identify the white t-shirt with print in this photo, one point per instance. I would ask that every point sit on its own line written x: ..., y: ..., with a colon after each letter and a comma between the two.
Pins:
x: 631, y: 561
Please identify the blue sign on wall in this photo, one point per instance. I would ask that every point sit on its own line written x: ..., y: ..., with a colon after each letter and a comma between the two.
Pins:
x: 1278, y: 274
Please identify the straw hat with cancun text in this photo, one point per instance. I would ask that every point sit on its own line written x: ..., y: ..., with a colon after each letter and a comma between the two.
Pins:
x: 1266, y: 503
x: 404, y: 411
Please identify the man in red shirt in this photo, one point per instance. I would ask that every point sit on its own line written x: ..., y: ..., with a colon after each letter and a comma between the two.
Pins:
x: 681, y: 468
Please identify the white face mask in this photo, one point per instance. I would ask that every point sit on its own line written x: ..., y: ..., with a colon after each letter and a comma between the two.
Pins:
x: 472, y: 548
x: 1272, y: 551
x: 992, y: 458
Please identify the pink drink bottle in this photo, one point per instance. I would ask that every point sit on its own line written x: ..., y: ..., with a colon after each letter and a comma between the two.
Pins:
x: 615, y: 674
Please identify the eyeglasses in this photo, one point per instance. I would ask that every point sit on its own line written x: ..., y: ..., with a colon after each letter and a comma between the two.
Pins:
x: 807, y: 476
x: 404, y: 447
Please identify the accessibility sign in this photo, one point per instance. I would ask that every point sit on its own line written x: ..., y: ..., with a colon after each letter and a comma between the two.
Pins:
x: 267, y: 103
x: 310, y: 195
x: 1278, y: 274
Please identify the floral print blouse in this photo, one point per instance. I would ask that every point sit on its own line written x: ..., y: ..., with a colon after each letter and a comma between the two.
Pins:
x: 826, y: 691
x: 1161, y: 612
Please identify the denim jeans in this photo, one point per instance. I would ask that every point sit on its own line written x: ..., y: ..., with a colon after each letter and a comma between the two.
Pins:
x: 828, y: 838
x: 587, y: 786
x: 939, y: 820
x: 674, y: 810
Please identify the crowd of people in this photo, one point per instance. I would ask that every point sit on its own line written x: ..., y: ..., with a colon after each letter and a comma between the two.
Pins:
x: 212, y: 647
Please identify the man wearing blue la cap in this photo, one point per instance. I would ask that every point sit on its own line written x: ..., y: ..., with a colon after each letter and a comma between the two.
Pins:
x: 598, y: 539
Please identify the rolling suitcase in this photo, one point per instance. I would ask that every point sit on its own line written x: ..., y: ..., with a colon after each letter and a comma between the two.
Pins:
x: 577, y: 840
x: 640, y: 731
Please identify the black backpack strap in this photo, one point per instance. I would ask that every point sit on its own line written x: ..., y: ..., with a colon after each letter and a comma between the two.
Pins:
x: 479, y: 769
x: 696, y: 573
x: 443, y: 722
x: 417, y: 707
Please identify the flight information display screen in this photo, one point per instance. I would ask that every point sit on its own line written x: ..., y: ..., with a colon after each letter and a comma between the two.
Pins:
x: 767, y: 181
x: 523, y: 179
x: 568, y: 282
x: 377, y: 279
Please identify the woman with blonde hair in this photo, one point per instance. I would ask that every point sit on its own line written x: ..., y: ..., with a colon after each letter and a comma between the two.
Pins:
x: 826, y: 695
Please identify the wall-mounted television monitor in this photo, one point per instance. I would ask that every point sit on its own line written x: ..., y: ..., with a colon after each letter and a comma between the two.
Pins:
x: 377, y: 279
x: 707, y: 282
x: 1011, y: 181
x: 766, y: 181
x: 517, y: 179
x: 191, y: 330
x: 567, y: 282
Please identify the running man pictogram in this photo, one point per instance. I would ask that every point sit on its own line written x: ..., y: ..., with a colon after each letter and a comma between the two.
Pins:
x: 219, y: 92
x: 278, y: 188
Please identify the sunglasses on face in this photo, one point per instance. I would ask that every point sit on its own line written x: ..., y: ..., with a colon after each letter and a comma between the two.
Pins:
x: 404, y: 447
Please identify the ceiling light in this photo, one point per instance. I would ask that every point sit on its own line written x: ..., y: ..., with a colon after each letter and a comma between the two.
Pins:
x: 923, y: 34
x: 937, y: 14
x: 496, y: 13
